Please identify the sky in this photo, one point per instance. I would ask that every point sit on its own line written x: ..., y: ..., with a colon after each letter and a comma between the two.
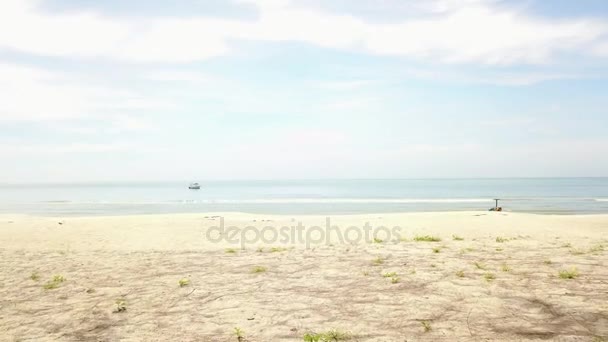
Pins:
x: 196, y: 90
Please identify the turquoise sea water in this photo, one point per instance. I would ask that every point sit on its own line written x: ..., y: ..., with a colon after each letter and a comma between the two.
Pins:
x: 536, y: 195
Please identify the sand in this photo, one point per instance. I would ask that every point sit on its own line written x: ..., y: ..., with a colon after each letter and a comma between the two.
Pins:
x: 121, y: 279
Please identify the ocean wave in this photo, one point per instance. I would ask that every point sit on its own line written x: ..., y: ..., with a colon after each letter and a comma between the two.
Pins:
x: 601, y: 199
x: 354, y: 200
x: 287, y: 201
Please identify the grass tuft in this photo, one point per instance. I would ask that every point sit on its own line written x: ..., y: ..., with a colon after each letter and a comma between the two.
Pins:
x: 505, y: 268
x: 436, y: 250
x: 54, y: 282
x: 240, y: 334
x: 184, y: 282
x: 467, y: 250
x: 426, y: 325
x: 489, y: 277
x: 427, y: 238
x: 457, y: 238
x: 390, y: 275
x: 258, y: 269
x: 501, y: 239
x: 378, y: 261
x: 58, y: 278
x: 597, y: 249
x: 480, y: 265
x: 328, y: 336
x: 569, y: 274
x: 121, y: 305
x: 35, y: 276
x: 575, y: 251
x: 230, y: 250
x: 460, y: 274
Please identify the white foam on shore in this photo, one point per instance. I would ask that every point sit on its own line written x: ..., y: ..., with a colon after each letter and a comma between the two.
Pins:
x: 357, y: 200
x: 290, y: 201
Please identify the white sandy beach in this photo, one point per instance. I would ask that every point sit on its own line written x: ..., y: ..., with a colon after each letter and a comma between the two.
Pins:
x: 499, y: 282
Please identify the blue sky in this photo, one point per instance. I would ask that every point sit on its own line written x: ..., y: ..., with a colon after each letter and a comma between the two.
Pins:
x: 267, y: 89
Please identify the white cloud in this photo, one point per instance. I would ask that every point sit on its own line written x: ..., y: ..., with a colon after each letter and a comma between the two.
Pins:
x: 346, y: 85
x: 472, y: 31
x: 34, y: 94
x: 522, y: 78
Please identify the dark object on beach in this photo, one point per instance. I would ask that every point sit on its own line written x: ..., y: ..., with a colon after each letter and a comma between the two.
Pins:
x: 194, y: 186
x: 496, y: 207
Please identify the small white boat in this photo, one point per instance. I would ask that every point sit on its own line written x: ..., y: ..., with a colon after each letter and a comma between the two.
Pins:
x: 194, y: 186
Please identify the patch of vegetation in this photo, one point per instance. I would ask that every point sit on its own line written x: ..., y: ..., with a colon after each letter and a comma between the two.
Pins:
x: 489, y: 276
x: 505, y: 268
x: 390, y: 275
x: 436, y: 250
x: 184, y: 282
x: 240, y: 334
x: 501, y: 239
x: 547, y: 262
x: 366, y: 273
x: 230, y: 250
x: 567, y: 245
x: 575, y: 251
x: 395, y: 280
x: 378, y: 261
x: 335, y: 335
x: 460, y: 274
x: 404, y: 239
x: 480, y: 265
x: 54, y: 282
x: 50, y: 285
x: 258, y: 269
x: 90, y: 290
x: 121, y: 305
x: 377, y: 240
x: 457, y: 238
x: 433, y: 265
x: 499, y: 249
x: 427, y: 238
x: 35, y: 276
x: 597, y: 249
x: 467, y: 250
x: 328, y: 336
x: 58, y: 278
x: 260, y: 250
x: 569, y: 274
x: 426, y: 325
x: 312, y: 337
x: 277, y: 249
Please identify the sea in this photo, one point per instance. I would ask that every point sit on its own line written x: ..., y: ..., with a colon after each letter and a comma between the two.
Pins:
x: 322, y: 197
